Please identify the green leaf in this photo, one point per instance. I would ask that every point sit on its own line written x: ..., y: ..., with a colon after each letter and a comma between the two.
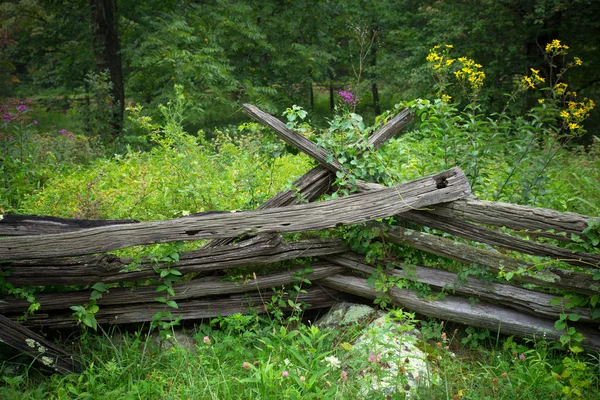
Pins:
x: 101, y: 287
x: 96, y: 295
x: 172, y: 304
x: 574, y: 317
x: 161, y: 288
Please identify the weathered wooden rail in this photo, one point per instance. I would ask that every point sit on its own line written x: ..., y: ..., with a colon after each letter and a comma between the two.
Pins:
x: 52, y: 251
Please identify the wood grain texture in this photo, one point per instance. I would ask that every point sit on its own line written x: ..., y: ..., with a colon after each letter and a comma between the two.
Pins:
x: 578, y: 282
x: 495, y: 238
x: 292, y: 138
x: 524, y: 300
x: 23, y: 225
x: 514, y: 216
x: 41, y: 350
x: 87, y: 270
x: 443, y: 187
x: 205, y: 287
x: 315, y: 297
x: 496, y: 318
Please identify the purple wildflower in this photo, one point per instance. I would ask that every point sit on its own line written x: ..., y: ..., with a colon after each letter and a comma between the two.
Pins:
x: 285, y: 374
x: 10, y: 138
x: 348, y: 97
x: 35, y: 122
x: 344, y: 376
x: 67, y: 133
x: 522, y: 357
x: 22, y: 108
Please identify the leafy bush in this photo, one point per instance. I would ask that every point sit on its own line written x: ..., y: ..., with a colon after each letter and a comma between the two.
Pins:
x: 31, y: 155
x: 181, y: 174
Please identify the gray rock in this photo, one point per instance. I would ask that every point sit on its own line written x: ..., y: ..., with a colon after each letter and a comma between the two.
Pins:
x: 385, y: 359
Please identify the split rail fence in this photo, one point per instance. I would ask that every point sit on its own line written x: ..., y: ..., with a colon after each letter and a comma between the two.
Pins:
x: 49, y: 251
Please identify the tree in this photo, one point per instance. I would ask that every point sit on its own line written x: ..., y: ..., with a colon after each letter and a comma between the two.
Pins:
x: 107, y: 54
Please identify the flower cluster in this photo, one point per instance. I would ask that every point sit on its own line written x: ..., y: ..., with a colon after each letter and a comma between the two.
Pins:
x: 439, y: 59
x: 555, y: 48
x: 348, y: 97
x: 534, y: 79
x: 470, y: 72
x: 575, y: 114
x: 16, y: 111
x: 67, y: 134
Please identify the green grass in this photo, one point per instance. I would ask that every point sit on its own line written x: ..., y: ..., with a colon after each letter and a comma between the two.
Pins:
x: 252, y: 357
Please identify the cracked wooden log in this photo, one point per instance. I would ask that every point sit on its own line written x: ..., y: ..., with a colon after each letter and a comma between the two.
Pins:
x: 578, y: 282
x: 316, y: 297
x: 457, y: 309
x: 41, y: 350
x: 515, y: 217
x: 446, y: 186
x: 292, y: 138
x: 485, y: 235
x: 205, y: 287
x: 23, y: 225
x: 107, y: 268
x: 525, y: 300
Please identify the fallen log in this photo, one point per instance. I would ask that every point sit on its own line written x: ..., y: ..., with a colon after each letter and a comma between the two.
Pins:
x: 193, y: 309
x: 35, y: 346
x: 23, y: 225
x: 578, y: 282
x: 524, y: 300
x: 456, y: 309
x: 205, y: 287
x: 446, y: 186
x: 515, y: 217
x: 485, y: 235
x: 107, y: 268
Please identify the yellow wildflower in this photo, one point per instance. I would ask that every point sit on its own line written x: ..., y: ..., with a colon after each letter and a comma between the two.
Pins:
x: 446, y: 98
x: 555, y: 48
x: 541, y: 101
x: 536, y: 75
x: 573, y: 126
x: 564, y: 114
x: 450, y: 46
x: 578, y: 61
x: 560, y: 88
x: 449, y: 62
x: 528, y: 82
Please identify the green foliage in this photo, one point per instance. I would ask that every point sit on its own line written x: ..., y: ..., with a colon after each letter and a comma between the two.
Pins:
x: 32, y: 154
x: 180, y: 175
x: 96, y: 113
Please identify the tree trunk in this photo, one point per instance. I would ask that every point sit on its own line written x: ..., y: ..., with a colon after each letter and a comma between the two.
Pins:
x: 107, y: 54
x: 374, y: 89
x: 331, y: 99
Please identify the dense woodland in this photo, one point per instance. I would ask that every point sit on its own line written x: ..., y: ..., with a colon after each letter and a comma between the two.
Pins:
x: 277, y: 53
x: 133, y: 112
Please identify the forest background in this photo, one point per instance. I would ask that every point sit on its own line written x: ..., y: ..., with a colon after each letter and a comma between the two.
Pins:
x: 277, y: 53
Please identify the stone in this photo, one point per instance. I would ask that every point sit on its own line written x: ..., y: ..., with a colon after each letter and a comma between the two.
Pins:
x: 386, y: 358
